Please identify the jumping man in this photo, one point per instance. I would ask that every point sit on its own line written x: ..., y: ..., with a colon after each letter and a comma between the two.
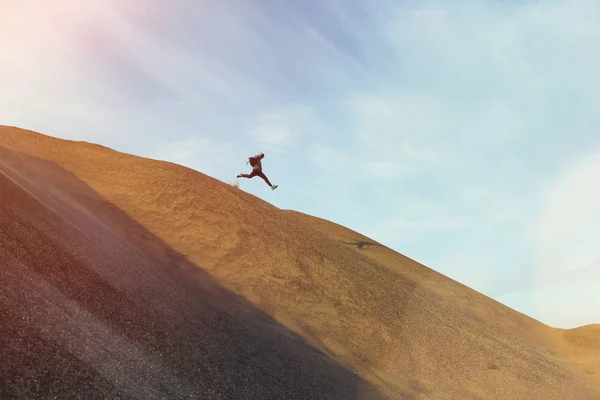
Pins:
x: 256, y: 164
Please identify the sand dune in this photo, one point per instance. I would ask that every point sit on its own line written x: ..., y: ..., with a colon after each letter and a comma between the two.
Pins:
x: 210, y: 288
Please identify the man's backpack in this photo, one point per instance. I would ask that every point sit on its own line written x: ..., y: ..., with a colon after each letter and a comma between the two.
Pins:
x: 253, y: 160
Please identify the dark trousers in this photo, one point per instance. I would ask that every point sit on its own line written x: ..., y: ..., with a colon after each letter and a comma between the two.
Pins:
x: 256, y: 172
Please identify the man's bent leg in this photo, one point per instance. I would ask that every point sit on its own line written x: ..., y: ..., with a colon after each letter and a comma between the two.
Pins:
x: 251, y: 175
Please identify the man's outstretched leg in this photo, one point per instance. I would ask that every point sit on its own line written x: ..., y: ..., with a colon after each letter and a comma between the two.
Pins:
x: 258, y: 173
x: 273, y: 187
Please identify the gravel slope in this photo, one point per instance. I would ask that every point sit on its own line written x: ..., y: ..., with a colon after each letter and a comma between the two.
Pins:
x: 174, y: 252
x: 93, y: 305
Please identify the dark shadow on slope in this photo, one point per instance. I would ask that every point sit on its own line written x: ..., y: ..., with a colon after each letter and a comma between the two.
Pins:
x: 360, y: 244
x: 93, y: 305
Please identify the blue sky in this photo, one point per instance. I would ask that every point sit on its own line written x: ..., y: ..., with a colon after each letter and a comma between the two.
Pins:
x: 465, y: 135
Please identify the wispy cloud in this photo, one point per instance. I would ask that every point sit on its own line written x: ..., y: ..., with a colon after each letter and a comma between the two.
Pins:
x: 286, y: 127
x: 204, y: 153
x: 567, y: 231
x: 564, y: 271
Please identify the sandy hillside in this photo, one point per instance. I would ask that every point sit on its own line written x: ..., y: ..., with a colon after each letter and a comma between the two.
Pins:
x: 348, y: 313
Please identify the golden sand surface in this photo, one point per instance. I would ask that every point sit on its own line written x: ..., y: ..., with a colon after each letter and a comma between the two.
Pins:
x: 395, y: 327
